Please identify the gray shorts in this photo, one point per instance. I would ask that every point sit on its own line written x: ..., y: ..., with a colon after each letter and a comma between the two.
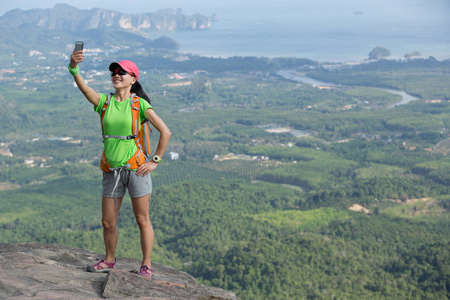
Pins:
x: 138, y: 186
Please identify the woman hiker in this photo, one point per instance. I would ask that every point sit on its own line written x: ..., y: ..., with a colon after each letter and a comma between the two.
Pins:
x: 118, y: 173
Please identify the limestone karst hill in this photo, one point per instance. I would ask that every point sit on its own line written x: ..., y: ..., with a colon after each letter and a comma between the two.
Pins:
x: 66, y: 17
x: 43, y: 271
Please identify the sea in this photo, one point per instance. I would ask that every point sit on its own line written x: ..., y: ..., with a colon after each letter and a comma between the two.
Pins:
x: 320, y: 30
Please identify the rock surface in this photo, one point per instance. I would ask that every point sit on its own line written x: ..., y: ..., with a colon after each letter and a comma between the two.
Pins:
x: 48, y: 271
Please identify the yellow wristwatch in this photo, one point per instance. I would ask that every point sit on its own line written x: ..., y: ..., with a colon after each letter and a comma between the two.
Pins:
x: 156, y: 158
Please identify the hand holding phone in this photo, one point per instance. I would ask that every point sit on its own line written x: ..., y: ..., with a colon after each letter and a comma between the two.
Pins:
x: 78, y: 46
x: 76, y: 57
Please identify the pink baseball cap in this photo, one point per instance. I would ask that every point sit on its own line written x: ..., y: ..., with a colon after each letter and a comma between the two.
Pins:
x: 126, y: 65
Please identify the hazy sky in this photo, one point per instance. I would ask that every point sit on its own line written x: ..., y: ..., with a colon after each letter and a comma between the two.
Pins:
x: 132, y: 6
x: 216, y: 6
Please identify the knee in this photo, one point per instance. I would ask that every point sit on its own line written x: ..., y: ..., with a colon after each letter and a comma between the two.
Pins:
x: 108, y: 224
x: 143, y: 221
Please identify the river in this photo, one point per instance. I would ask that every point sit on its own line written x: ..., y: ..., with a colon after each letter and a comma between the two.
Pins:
x: 406, y: 98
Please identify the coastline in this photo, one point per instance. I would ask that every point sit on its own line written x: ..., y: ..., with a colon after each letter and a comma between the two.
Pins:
x: 229, y: 38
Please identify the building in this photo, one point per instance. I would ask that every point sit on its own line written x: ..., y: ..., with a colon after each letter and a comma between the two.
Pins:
x: 174, y: 155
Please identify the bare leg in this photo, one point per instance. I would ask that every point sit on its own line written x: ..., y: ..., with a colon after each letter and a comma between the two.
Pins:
x: 141, y: 212
x: 110, y: 213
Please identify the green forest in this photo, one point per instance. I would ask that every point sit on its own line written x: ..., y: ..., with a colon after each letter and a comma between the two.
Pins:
x: 282, y: 190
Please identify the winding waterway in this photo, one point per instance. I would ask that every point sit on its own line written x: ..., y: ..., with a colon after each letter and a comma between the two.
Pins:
x: 406, y: 98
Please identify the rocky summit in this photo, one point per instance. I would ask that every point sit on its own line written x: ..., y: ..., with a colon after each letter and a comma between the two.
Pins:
x: 66, y: 17
x: 43, y: 271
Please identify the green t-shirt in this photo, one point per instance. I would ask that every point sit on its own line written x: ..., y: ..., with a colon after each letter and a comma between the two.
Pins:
x: 117, y: 121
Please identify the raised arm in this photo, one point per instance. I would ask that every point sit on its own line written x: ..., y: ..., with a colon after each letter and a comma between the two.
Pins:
x: 91, y: 95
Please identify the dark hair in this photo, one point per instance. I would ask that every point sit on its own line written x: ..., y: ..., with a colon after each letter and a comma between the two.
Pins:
x: 139, y: 91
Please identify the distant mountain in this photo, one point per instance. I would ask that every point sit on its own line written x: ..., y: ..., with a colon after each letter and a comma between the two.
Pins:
x: 66, y: 17
x: 16, y: 43
x: 46, y: 30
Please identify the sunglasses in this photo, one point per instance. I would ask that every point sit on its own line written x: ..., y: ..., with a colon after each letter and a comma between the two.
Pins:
x: 120, y: 73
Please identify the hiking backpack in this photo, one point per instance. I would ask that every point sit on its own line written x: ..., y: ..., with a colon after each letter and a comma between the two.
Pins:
x: 140, y: 134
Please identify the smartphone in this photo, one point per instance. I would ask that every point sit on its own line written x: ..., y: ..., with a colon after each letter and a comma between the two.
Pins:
x: 78, y: 46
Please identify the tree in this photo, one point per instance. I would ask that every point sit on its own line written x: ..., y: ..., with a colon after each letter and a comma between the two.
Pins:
x: 412, y: 54
x: 379, y: 52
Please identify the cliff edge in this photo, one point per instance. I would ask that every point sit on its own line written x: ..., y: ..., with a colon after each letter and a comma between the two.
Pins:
x: 42, y: 271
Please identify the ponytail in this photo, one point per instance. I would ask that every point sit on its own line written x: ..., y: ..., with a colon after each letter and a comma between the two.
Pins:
x: 139, y: 91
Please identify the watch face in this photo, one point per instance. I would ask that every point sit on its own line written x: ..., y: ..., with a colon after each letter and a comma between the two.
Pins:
x: 156, y: 158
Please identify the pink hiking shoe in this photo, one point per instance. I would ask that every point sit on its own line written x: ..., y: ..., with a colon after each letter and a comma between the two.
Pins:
x: 101, y: 267
x: 146, y: 272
